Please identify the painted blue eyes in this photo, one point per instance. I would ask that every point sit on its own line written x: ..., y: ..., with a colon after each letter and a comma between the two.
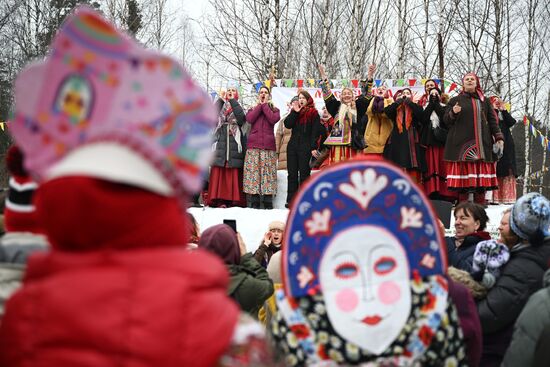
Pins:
x: 346, y: 270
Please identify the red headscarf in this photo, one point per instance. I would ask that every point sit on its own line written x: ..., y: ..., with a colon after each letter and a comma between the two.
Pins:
x: 308, y: 112
x: 478, y: 86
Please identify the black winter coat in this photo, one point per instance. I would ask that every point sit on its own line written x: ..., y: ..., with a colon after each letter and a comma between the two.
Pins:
x: 508, y: 160
x: 520, y: 278
x: 465, y: 130
x: 462, y: 257
x: 304, y: 136
x: 226, y: 146
x: 428, y: 138
x: 404, y: 148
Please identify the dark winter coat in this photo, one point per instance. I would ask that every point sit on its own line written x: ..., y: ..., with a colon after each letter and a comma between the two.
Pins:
x: 542, y: 352
x: 530, y: 325
x: 263, y: 253
x: 469, y: 321
x: 304, y: 136
x: 262, y: 119
x: 462, y: 257
x: 226, y: 146
x: 520, y: 278
x: 465, y: 130
x: 428, y: 137
x: 403, y: 148
x: 508, y: 161
x: 249, y: 285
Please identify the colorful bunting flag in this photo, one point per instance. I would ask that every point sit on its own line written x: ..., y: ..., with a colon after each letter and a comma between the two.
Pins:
x: 437, y: 81
x: 525, y: 120
x: 345, y: 82
x: 213, y: 95
x: 355, y: 83
x: 300, y: 83
x: 424, y: 81
x: 311, y: 82
x: 288, y: 83
x: 278, y: 82
x: 400, y: 82
x: 377, y: 82
x: 267, y: 83
x: 257, y: 86
x: 452, y: 87
x: 412, y: 82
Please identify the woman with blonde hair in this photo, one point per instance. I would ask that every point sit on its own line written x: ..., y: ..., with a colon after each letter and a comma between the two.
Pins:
x: 346, y: 138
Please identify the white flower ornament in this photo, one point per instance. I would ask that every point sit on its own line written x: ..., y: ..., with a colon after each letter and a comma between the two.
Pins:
x: 410, y: 218
x: 364, y: 186
x: 319, y: 222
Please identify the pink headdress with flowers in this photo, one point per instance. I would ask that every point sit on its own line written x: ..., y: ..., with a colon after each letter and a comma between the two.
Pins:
x: 98, y: 87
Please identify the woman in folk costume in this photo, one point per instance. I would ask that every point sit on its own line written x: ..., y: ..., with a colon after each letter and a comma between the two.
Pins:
x: 425, y: 98
x: 379, y: 126
x: 303, y: 120
x: 403, y: 146
x: 433, y: 137
x: 363, y: 274
x: 506, y: 165
x: 473, y: 128
x: 260, y: 163
x: 226, y: 173
x: 123, y: 136
x: 346, y: 136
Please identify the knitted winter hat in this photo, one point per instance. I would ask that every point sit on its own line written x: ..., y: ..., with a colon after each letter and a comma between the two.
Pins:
x: 530, y: 217
x: 277, y: 224
x: 19, y: 213
x: 105, y: 107
x: 489, y: 257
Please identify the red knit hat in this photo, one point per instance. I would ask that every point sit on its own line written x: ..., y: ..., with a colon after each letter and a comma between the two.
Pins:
x: 20, y: 213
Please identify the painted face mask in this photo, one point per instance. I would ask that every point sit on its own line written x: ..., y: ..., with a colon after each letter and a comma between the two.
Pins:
x: 365, y: 284
x: 362, y: 254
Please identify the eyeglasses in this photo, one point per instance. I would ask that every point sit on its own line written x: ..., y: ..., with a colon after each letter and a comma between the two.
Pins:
x: 276, y: 230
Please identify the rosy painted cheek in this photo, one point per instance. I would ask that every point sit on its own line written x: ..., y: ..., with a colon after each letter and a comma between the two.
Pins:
x: 347, y: 300
x: 389, y: 292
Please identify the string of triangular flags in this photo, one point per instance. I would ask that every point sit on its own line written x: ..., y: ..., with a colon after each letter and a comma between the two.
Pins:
x: 544, y: 141
x: 340, y: 83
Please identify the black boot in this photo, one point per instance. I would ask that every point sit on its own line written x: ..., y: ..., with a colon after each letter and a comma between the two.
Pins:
x: 255, y: 201
x: 268, y: 201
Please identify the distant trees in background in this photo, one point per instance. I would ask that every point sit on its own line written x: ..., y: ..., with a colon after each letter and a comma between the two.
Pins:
x: 505, y: 42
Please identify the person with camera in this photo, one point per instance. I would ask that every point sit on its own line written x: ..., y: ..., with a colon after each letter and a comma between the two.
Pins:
x: 249, y: 284
x: 403, y: 147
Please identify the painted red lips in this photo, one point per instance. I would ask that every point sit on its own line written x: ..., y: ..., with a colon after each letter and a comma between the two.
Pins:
x: 372, y: 320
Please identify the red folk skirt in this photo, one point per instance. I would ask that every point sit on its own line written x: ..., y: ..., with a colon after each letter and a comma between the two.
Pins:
x: 471, y: 176
x: 226, y: 184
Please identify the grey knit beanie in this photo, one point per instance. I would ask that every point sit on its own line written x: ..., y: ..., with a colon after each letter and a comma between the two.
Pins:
x: 530, y: 217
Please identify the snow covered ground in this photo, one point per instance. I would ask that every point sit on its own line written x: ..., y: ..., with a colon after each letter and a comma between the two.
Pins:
x: 253, y: 223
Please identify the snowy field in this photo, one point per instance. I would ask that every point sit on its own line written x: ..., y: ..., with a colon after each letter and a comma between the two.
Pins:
x: 253, y: 223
